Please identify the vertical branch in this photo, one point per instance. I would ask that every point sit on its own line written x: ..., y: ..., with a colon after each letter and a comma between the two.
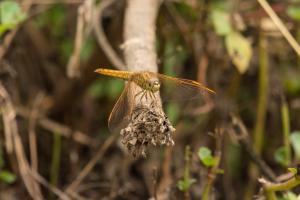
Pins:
x: 139, y: 35
x: 259, y: 129
x: 262, y: 94
x: 149, y: 124
x: 84, y: 17
x: 101, y: 37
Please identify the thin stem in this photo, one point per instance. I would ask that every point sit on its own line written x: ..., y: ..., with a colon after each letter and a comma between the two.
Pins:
x: 298, y: 40
x: 187, y: 170
x: 215, y: 169
x: 262, y: 94
x: 282, y: 28
x: 101, y: 37
x: 55, y: 163
x: 270, y: 188
x: 286, y: 130
x: 287, y: 185
x: 259, y: 130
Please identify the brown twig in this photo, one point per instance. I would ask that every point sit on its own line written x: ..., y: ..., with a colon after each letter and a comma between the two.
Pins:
x: 84, y: 17
x: 282, y: 28
x: 6, y: 42
x: 240, y: 131
x: 154, y: 182
x: 10, y: 124
x: 90, y: 165
x: 58, y: 128
x: 101, y: 37
x: 166, y: 180
x: 32, y: 133
x: 50, y: 187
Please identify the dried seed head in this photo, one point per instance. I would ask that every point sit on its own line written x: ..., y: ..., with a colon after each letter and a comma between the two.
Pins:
x: 148, y: 126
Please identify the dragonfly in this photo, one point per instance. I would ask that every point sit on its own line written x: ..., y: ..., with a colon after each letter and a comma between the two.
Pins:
x: 149, y: 84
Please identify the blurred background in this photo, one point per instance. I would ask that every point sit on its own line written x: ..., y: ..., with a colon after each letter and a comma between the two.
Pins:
x: 54, y: 138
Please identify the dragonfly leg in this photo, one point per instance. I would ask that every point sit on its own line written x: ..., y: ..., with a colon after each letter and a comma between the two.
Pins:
x: 138, y: 93
x: 147, y: 93
x: 143, y: 94
x: 152, y: 96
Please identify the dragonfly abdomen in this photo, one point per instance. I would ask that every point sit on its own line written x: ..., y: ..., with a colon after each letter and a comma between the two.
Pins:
x: 115, y: 73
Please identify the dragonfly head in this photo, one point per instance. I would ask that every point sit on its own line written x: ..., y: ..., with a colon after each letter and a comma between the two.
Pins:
x: 155, y: 86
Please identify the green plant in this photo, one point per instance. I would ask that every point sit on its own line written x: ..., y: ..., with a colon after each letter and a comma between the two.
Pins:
x: 185, y: 183
x: 10, y: 16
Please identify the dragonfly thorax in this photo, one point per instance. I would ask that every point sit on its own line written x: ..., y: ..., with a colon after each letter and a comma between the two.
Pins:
x: 146, y: 81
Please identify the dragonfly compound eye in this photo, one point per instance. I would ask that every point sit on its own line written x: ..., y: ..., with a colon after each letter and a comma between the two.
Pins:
x: 156, y: 85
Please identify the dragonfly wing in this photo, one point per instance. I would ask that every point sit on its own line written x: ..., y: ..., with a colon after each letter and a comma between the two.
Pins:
x: 179, y: 89
x: 120, y: 114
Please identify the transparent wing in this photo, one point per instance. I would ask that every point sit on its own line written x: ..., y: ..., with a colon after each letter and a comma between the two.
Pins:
x: 120, y: 114
x: 178, y: 89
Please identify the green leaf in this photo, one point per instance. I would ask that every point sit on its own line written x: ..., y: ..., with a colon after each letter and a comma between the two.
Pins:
x: 206, y: 157
x: 281, y: 156
x: 184, y: 185
x: 289, y: 196
x: 240, y: 50
x: 7, y: 177
x: 295, y: 141
x: 293, y: 170
x: 11, y: 15
x: 221, y: 22
x: 294, y: 12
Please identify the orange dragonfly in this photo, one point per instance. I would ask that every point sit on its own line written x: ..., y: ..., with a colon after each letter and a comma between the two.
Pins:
x: 150, y: 84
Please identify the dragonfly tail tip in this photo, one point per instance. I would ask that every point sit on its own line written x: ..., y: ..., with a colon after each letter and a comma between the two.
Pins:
x: 97, y: 70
